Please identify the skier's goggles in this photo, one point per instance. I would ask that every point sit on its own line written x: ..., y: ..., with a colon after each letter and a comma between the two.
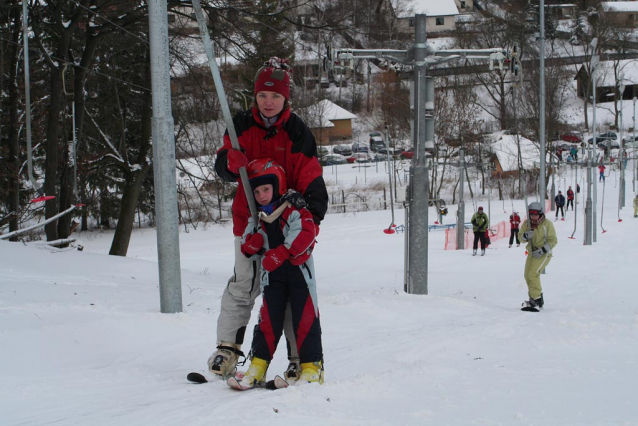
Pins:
x: 536, y: 212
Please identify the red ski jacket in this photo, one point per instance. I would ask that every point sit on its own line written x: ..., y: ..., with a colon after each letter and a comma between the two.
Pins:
x: 570, y: 194
x: 291, y: 144
x: 515, y: 221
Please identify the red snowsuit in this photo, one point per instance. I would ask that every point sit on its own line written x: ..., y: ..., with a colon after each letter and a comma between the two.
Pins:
x: 570, y: 199
x: 293, y: 281
x: 515, y: 222
x: 291, y: 144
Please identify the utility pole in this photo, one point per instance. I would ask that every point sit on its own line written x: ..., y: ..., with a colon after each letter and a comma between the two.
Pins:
x: 621, y: 191
x: 589, y: 213
x: 419, y: 57
x: 170, y: 282
x: 543, y: 183
x: 460, y: 213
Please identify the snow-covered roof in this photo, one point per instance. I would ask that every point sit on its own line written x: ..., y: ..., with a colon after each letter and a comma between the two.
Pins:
x: 430, y: 8
x: 619, y: 6
x: 627, y: 67
x: 330, y: 111
x: 506, y: 150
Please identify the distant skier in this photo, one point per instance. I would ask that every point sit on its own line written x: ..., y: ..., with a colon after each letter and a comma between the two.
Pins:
x: 560, y: 203
x: 540, y: 236
x: 570, y: 198
x: 480, y: 222
x: 515, y: 221
x: 601, y: 169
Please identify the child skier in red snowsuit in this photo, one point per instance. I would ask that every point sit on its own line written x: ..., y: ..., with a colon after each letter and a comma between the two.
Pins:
x: 285, y: 235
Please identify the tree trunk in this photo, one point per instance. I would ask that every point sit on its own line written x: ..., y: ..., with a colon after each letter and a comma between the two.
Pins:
x: 134, y: 181
x: 13, y: 125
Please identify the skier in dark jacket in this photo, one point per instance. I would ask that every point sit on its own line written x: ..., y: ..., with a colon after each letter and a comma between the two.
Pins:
x: 480, y: 223
x: 560, y: 204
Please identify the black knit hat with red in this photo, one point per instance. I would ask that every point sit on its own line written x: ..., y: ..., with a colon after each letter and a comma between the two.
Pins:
x: 274, y: 76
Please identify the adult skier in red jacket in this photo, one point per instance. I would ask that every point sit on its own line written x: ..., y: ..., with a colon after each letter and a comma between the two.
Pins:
x: 268, y: 130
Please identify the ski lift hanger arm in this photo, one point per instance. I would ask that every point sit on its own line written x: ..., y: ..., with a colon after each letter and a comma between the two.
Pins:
x: 37, y: 225
x: 338, y: 58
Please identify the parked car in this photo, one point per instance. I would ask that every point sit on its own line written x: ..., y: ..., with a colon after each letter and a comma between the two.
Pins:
x: 388, y: 151
x: 407, y: 154
x: 359, y: 157
x: 342, y: 149
x: 359, y: 147
x: 609, y: 143
x: 603, y: 137
x: 571, y: 137
x: 630, y: 138
x: 376, y: 141
x: 333, y: 159
x: 322, y: 151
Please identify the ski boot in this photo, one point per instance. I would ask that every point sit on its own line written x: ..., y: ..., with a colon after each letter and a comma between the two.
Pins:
x: 534, y: 304
x: 474, y: 252
x: 223, y: 361
x: 256, y: 374
x: 510, y: 246
x: 293, y: 371
x: 311, y: 372
x: 482, y: 252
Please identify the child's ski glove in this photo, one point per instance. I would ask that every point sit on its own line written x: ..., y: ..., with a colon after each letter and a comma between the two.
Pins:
x: 528, y: 234
x: 236, y: 160
x: 253, y: 243
x: 541, y: 251
x: 274, y: 258
x: 295, y: 198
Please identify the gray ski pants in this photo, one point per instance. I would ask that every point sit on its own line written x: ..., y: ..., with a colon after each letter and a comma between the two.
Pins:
x: 238, y: 301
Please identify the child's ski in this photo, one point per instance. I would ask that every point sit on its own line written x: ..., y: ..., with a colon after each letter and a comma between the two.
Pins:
x: 277, y: 383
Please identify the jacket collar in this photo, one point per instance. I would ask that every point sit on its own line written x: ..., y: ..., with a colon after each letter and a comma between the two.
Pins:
x: 281, y: 120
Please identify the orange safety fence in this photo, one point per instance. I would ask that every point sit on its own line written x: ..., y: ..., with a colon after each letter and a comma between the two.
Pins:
x: 501, y: 230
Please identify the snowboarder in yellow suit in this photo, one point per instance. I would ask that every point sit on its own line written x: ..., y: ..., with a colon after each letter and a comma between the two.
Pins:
x: 636, y: 206
x: 541, y: 239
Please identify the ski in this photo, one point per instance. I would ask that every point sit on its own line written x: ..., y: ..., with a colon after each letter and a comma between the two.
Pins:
x: 529, y: 309
x: 277, y: 383
x: 196, y: 378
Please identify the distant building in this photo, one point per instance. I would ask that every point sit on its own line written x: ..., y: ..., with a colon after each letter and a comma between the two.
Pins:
x: 623, y: 12
x: 441, y: 15
x: 606, y: 82
x: 328, y: 122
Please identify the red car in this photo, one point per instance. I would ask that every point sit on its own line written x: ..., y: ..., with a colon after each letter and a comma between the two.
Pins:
x: 407, y: 154
x: 571, y: 137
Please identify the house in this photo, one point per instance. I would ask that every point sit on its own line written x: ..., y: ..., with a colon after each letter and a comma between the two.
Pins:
x: 563, y: 11
x: 506, y: 158
x: 464, y: 6
x: 328, y: 122
x: 623, y: 12
x: 441, y: 15
x: 606, y: 80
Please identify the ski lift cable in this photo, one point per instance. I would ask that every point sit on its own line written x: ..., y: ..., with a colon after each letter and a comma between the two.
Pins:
x: 219, y: 87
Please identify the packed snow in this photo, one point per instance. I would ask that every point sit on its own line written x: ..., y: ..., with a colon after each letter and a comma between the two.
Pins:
x: 84, y: 342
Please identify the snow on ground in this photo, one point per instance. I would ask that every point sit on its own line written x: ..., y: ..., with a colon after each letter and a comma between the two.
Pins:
x: 83, y: 342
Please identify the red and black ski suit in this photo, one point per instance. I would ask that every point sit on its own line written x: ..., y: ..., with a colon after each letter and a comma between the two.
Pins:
x: 290, y: 144
x: 515, y: 222
x: 570, y: 199
x: 293, y: 281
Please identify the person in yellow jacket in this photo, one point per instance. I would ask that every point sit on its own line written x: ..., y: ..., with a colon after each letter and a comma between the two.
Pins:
x: 636, y: 206
x: 540, y: 236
